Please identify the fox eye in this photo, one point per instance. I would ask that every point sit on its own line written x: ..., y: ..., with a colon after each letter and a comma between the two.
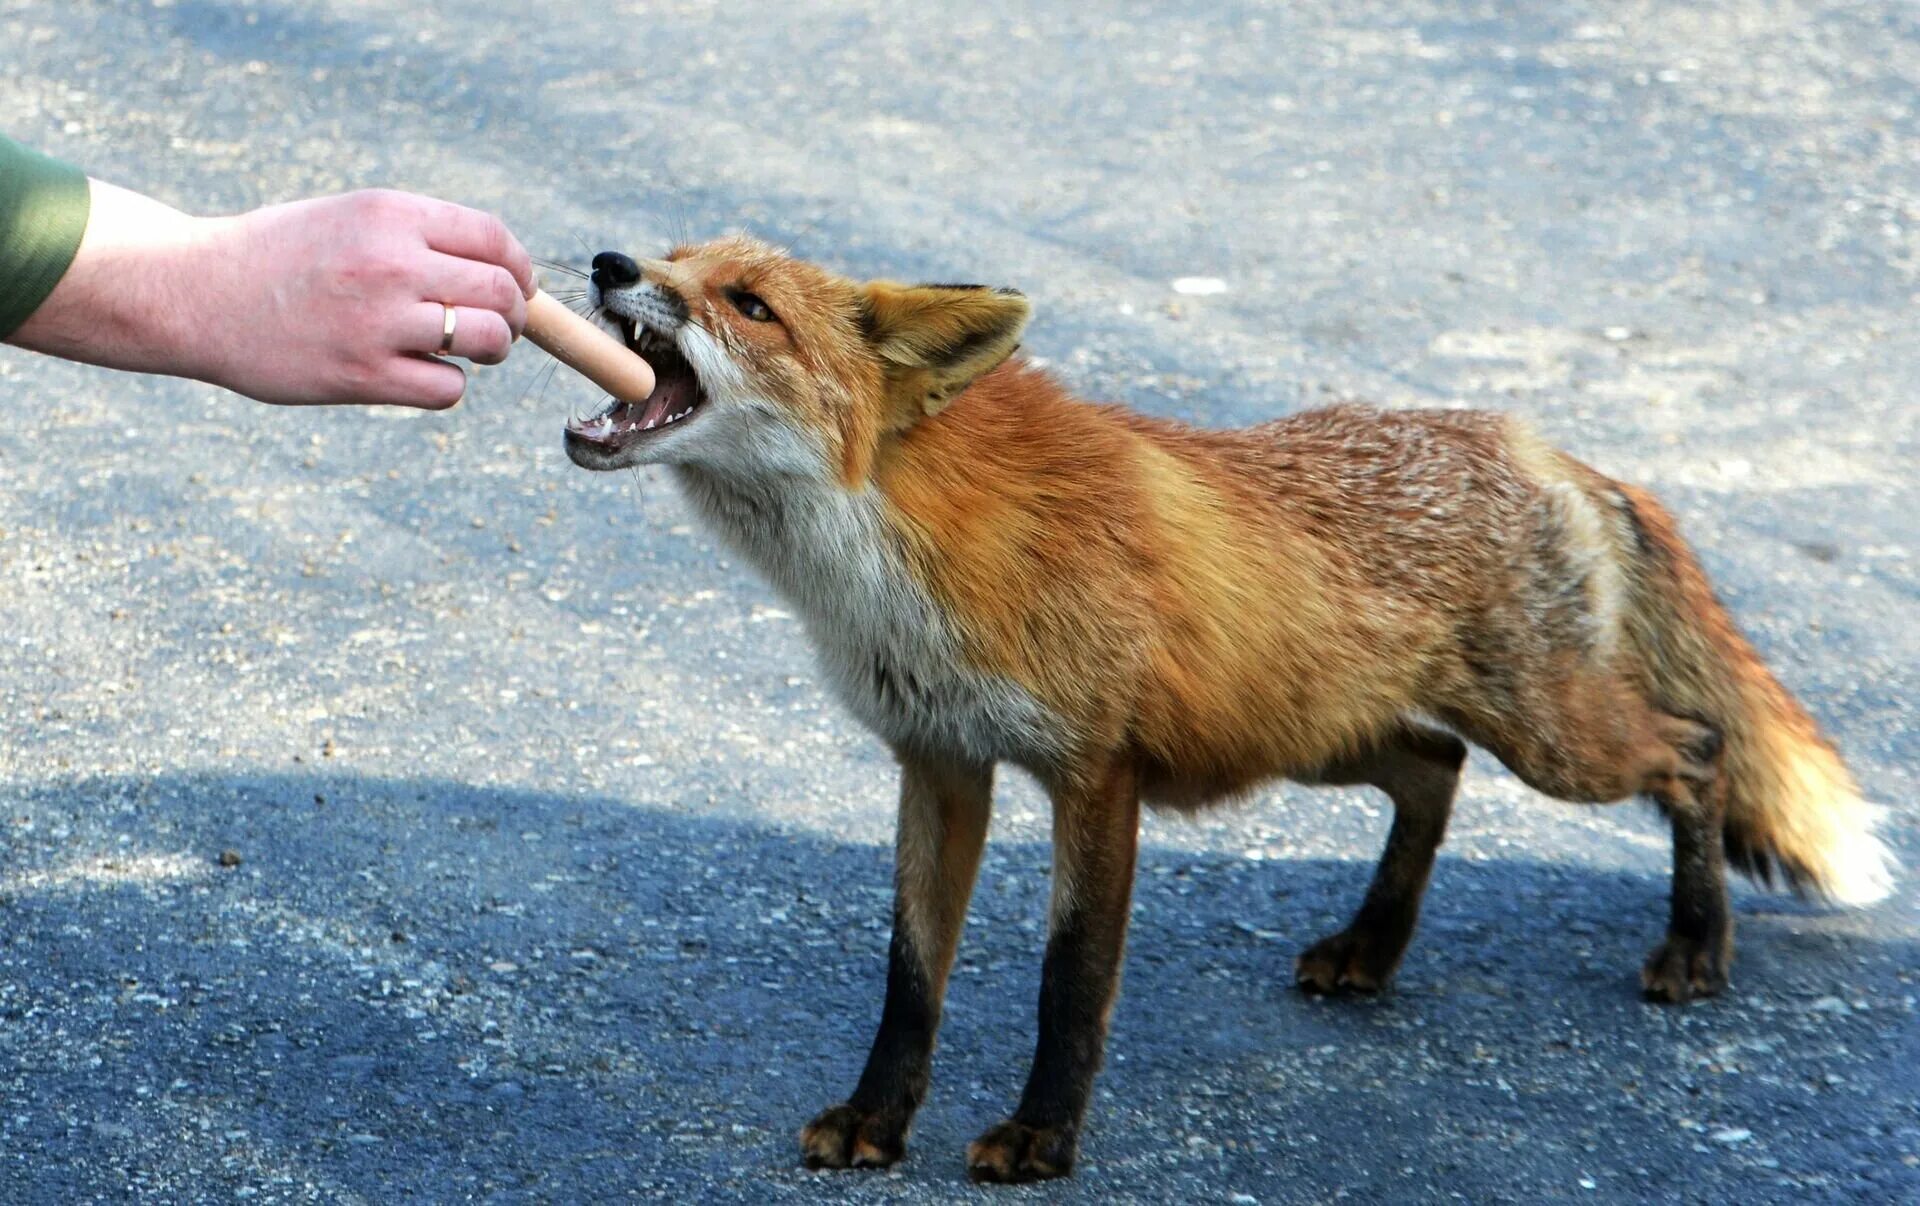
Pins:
x: 750, y: 305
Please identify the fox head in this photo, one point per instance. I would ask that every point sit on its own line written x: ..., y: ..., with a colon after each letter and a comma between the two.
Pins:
x: 770, y: 365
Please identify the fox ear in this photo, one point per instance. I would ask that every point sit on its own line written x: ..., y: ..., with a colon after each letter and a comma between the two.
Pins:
x: 936, y: 339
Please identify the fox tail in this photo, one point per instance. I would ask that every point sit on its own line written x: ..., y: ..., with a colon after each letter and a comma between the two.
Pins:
x: 1794, y: 812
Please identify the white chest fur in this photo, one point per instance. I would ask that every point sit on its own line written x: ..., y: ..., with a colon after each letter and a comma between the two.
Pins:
x: 887, y: 650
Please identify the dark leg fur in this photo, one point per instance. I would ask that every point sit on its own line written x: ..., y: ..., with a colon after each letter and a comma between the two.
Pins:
x: 1418, y: 768
x: 1698, y: 950
x: 943, y: 825
x: 1096, y: 828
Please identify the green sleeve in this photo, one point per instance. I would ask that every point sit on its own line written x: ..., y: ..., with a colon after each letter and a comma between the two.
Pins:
x: 43, y: 213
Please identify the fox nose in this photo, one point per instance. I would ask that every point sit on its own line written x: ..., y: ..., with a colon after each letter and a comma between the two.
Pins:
x: 612, y: 270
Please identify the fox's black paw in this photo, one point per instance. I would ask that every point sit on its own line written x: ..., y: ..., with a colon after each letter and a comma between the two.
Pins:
x: 849, y: 1137
x: 1013, y: 1152
x: 1350, y: 961
x: 1681, y: 969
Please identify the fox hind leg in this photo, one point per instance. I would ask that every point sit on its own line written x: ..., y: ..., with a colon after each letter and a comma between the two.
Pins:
x: 1419, y: 769
x: 1693, y: 960
x: 1599, y: 740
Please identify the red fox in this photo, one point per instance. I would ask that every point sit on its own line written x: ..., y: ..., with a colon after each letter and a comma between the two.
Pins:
x: 1135, y: 610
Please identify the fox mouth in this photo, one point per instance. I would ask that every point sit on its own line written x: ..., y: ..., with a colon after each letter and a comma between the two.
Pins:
x: 676, y: 396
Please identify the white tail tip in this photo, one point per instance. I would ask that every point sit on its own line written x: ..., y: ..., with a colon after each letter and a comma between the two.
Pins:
x: 1860, y: 868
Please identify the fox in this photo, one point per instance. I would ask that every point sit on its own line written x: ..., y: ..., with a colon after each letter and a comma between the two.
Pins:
x: 1138, y: 611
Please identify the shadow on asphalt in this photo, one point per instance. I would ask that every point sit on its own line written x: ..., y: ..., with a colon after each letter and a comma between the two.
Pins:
x: 439, y: 988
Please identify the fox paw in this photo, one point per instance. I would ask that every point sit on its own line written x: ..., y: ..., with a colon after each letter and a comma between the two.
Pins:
x: 1681, y: 969
x: 1014, y: 1152
x: 849, y: 1137
x: 1350, y: 961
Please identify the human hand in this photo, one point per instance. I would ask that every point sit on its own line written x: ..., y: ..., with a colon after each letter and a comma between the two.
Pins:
x: 331, y: 300
x: 343, y: 298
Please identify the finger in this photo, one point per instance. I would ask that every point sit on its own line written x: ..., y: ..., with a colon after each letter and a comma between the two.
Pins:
x: 473, y: 235
x: 457, y: 282
x: 423, y: 382
x: 481, y: 336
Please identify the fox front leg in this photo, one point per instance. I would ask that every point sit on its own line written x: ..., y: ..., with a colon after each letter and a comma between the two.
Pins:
x: 1096, y: 832
x: 943, y: 825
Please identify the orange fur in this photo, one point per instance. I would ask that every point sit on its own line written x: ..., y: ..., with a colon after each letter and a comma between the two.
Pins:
x: 1125, y: 574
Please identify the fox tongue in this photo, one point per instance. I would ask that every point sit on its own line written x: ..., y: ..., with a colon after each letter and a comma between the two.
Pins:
x: 637, y: 416
x: 655, y: 409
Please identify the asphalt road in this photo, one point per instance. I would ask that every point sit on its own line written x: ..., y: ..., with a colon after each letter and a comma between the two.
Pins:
x: 559, y: 879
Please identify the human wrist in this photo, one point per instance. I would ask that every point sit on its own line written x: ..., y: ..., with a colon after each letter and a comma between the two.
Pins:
x: 129, y: 298
x: 161, y: 274
x: 188, y: 313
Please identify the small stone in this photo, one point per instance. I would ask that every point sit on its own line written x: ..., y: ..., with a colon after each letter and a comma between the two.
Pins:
x: 229, y: 858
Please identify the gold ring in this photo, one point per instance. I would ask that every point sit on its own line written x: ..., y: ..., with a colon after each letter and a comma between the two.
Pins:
x: 446, y: 329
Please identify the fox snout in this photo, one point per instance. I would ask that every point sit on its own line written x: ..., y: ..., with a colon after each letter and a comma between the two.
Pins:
x: 644, y: 301
x: 642, y: 296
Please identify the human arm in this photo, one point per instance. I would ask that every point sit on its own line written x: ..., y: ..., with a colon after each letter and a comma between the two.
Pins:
x: 337, y: 299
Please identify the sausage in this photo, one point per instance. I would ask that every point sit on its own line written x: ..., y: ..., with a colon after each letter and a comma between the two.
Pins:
x: 586, y: 349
